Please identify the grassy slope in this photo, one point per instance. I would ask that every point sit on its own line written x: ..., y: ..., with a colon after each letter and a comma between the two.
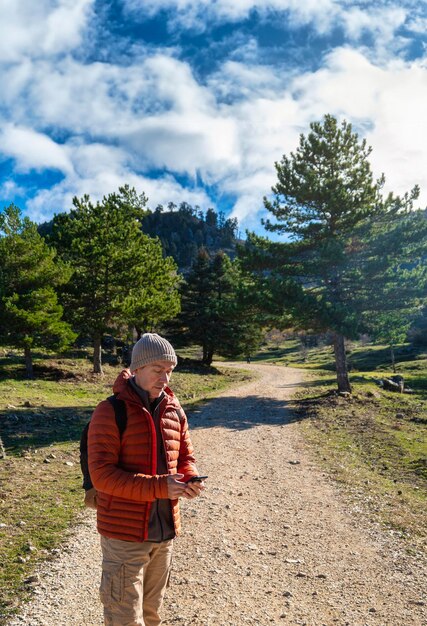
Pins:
x: 40, y: 481
x: 374, y: 442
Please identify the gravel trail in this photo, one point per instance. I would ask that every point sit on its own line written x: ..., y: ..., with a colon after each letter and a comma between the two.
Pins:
x: 272, y: 540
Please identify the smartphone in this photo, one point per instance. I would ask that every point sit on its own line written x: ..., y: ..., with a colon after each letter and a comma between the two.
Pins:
x: 196, y: 479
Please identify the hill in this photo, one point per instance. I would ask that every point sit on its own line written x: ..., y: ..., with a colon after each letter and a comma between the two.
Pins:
x: 184, y: 230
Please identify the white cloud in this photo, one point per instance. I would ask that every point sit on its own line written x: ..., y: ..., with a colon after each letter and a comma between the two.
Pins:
x: 160, y: 191
x: 44, y: 27
x: 379, y: 20
x: 99, y: 170
x: 32, y: 150
x: 243, y: 81
x: 197, y: 13
x: 155, y: 108
x: 9, y: 189
x: 120, y: 122
x: 389, y: 101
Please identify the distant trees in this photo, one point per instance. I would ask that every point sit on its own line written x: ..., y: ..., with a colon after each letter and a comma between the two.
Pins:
x: 214, y: 312
x: 352, y: 253
x: 30, y: 272
x: 119, y: 274
x: 184, y: 229
x: 391, y: 328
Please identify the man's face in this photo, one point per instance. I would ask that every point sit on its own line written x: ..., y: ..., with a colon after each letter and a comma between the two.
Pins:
x: 154, y: 377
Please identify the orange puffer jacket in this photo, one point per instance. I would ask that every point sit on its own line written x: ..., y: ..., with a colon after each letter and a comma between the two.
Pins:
x: 123, y: 472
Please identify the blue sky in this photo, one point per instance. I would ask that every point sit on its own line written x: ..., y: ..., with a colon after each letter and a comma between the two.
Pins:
x: 194, y: 100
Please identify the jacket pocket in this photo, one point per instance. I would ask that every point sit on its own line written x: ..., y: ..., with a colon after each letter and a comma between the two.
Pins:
x: 112, y: 583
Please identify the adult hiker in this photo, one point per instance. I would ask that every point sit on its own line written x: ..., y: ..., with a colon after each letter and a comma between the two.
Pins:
x: 139, y: 476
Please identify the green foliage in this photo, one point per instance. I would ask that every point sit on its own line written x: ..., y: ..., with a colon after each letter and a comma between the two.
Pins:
x: 418, y: 331
x: 392, y: 329
x: 119, y: 275
x: 215, y: 308
x: 155, y: 296
x: 29, y: 274
x: 352, y: 253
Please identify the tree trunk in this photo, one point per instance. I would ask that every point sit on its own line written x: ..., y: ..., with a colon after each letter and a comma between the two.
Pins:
x: 207, y: 355
x: 341, y: 363
x: 138, y: 333
x: 2, y: 450
x: 28, y: 362
x: 97, y: 355
x: 393, y: 360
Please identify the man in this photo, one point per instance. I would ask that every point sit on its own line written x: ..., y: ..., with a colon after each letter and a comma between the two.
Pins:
x: 139, y: 478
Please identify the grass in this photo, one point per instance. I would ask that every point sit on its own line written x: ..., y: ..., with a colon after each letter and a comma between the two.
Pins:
x: 40, y: 480
x: 374, y: 442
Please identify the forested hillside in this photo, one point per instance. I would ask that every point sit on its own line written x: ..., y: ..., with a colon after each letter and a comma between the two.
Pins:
x: 184, y: 230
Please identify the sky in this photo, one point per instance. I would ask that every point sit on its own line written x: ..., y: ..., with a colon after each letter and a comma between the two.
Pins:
x: 195, y: 100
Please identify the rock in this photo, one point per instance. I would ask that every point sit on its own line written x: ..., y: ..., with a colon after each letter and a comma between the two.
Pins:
x: 30, y: 548
x: 27, y: 403
x: 31, y: 580
x: 69, y: 463
x: 295, y: 462
x: 288, y: 594
x: 395, y: 383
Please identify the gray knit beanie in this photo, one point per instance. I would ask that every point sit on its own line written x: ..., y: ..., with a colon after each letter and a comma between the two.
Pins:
x: 151, y: 347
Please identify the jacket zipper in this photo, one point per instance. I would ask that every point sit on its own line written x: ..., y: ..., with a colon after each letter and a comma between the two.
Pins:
x: 166, y: 457
x: 158, y: 408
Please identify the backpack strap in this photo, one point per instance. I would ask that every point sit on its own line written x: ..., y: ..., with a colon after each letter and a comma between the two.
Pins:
x: 121, y: 417
x: 120, y: 413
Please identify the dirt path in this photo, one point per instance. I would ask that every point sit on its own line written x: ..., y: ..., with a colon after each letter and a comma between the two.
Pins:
x: 271, y: 541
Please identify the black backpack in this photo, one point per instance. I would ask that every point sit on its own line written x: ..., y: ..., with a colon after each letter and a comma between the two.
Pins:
x: 121, y: 421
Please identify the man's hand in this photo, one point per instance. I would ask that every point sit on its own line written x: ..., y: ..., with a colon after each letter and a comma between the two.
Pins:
x: 193, y: 489
x: 90, y: 498
x: 175, y: 488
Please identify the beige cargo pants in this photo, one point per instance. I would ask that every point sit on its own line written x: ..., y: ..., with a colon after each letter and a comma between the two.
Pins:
x: 134, y: 580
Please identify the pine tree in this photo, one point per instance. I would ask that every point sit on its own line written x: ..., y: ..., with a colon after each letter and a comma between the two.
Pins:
x: 351, y: 253
x: 392, y: 329
x: 119, y: 275
x: 31, y: 316
x: 214, y: 313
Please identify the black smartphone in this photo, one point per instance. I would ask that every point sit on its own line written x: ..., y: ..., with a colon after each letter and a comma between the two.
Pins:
x: 196, y: 479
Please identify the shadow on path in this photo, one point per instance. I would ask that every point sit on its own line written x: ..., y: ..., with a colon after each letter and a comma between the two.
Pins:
x: 239, y: 413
